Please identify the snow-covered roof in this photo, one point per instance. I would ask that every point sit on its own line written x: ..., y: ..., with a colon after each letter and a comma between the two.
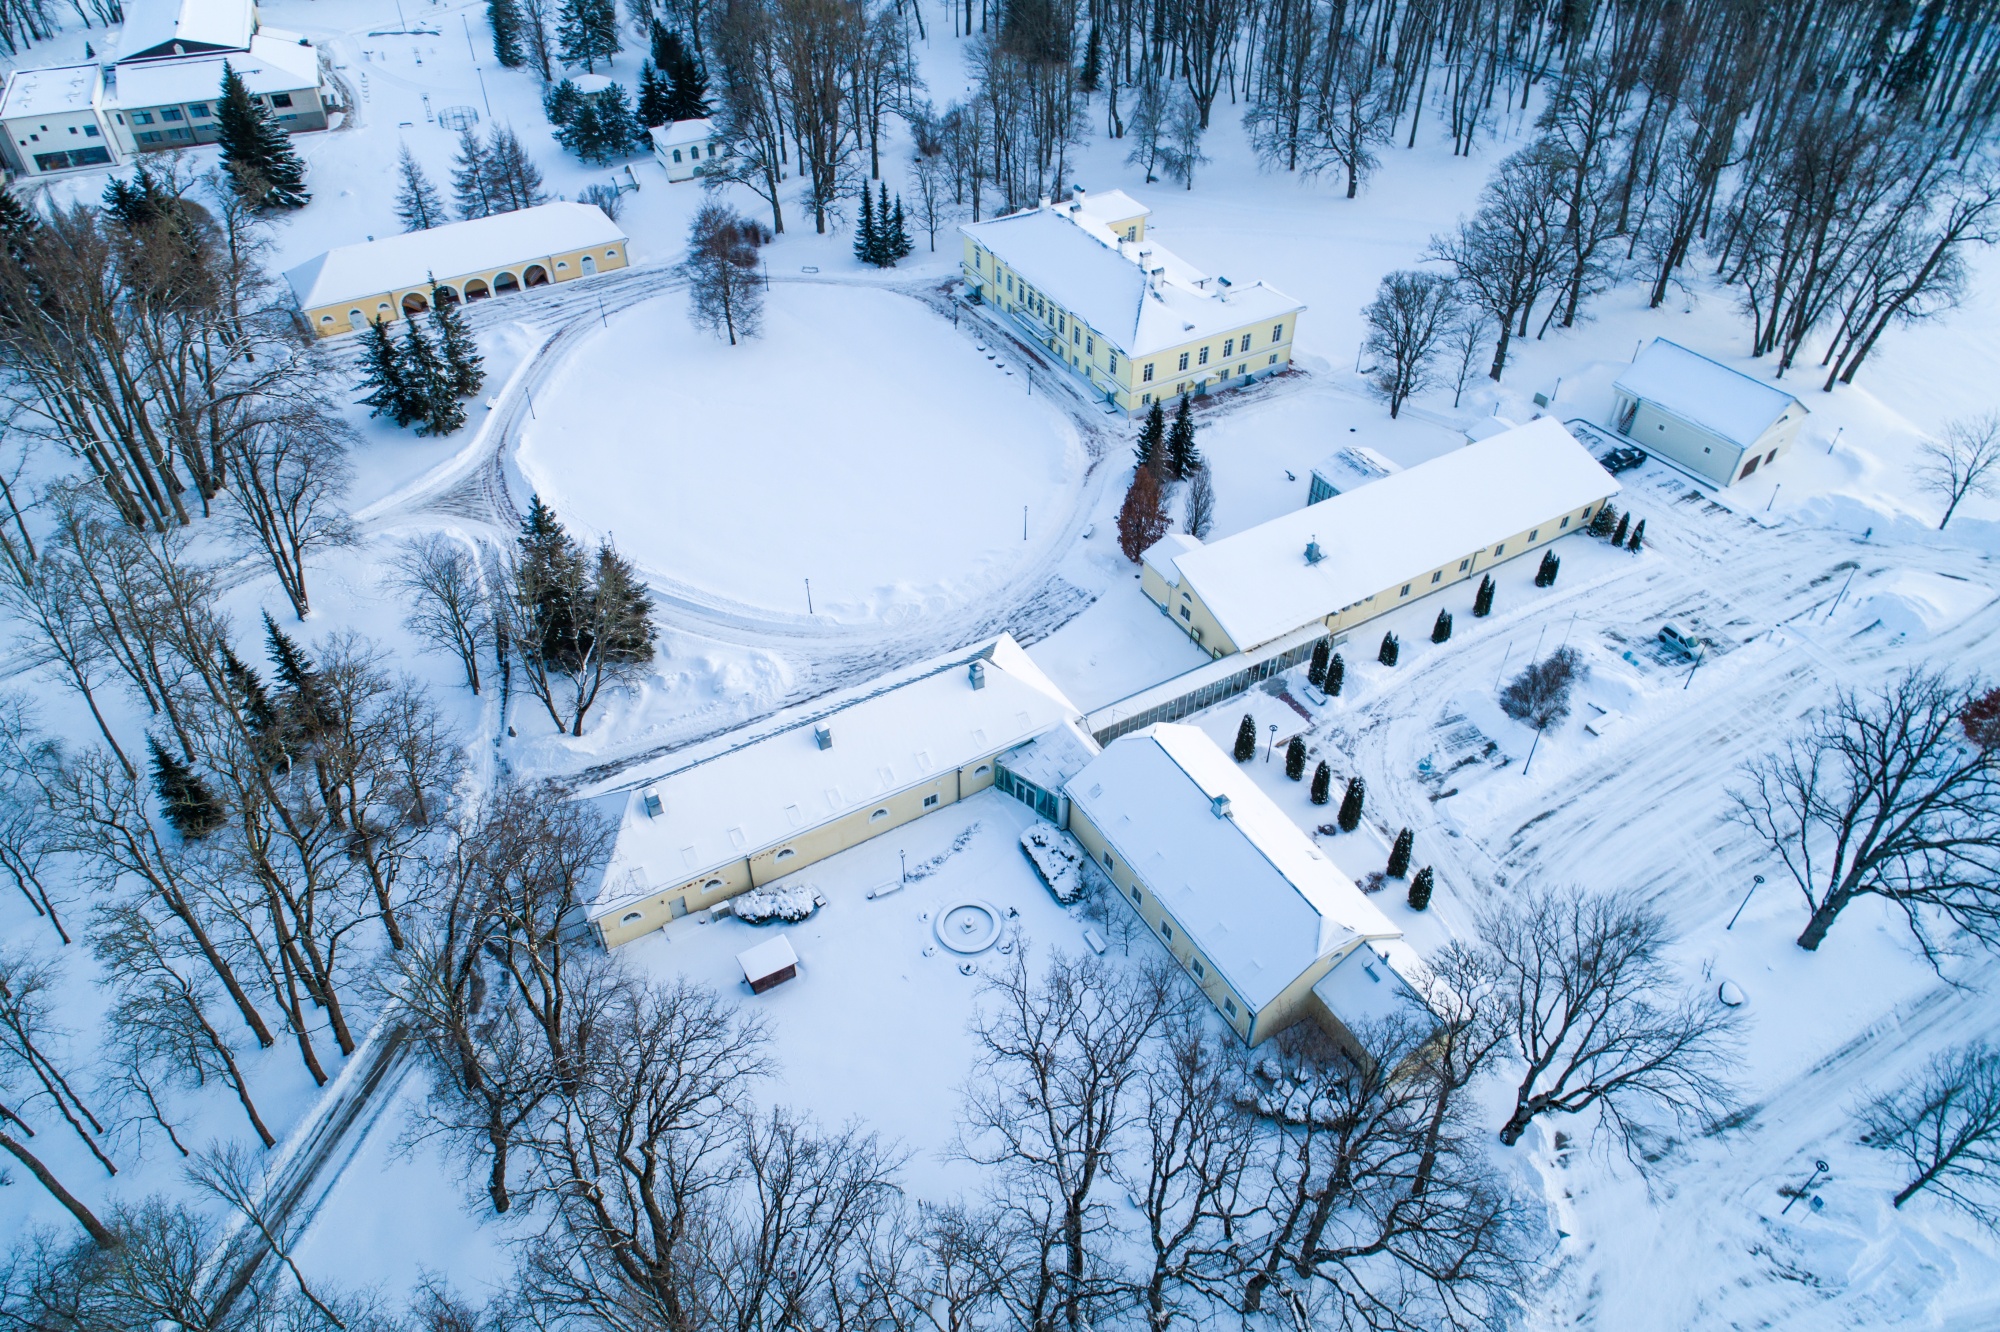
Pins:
x: 152, y: 27
x: 1053, y: 757
x: 1250, y: 889
x: 767, y: 959
x: 272, y: 64
x: 1108, y: 206
x: 1366, y: 988
x: 1706, y: 393
x: 353, y: 271
x: 1258, y: 585
x: 51, y: 91
x: 1138, y: 294
x: 1486, y: 427
x: 1352, y: 466
x: 1160, y: 556
x: 677, y: 132
x: 718, y: 807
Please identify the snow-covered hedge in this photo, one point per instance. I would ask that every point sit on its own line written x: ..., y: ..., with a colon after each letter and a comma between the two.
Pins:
x: 761, y: 906
x: 1057, y: 858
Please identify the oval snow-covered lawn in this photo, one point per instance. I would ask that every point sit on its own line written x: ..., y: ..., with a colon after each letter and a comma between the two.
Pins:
x: 861, y: 442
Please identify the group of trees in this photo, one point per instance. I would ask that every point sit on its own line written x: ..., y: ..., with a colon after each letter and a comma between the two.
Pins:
x: 1165, y: 456
x: 493, y: 176
x: 883, y: 236
x: 423, y: 379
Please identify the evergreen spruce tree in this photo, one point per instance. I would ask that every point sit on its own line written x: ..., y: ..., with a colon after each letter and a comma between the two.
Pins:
x: 687, y: 86
x: 305, y: 707
x: 587, y: 31
x: 1392, y: 648
x: 1441, y: 630
x: 561, y: 102
x: 433, y: 396
x: 1183, y: 458
x: 1545, y: 573
x: 185, y: 799
x: 470, y: 186
x: 1399, y: 854
x: 551, y: 571
x: 1638, y: 541
x: 1316, y: 673
x: 1336, y: 675
x: 1482, y: 600
x: 18, y: 225
x: 624, y: 610
x: 1295, y: 758
x: 419, y: 206
x: 1151, y: 449
x: 382, y: 375
x: 509, y: 176
x: 1618, y: 533
x: 260, y: 716
x: 257, y: 154
x: 455, y: 343
x: 1420, y: 889
x: 1601, y: 525
x: 1350, y: 804
x: 1093, y: 62
x: 1322, y: 787
x: 655, y: 97
x: 504, y: 18
x: 898, y: 233
x: 866, y: 244
x: 1246, y: 739
x: 600, y: 128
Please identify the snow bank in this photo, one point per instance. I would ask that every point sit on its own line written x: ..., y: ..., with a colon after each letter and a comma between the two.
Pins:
x: 1912, y: 605
x: 1057, y: 858
x: 790, y: 903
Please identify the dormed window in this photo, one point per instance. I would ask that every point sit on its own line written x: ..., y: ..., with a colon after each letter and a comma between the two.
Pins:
x: 879, y: 815
x: 786, y: 854
x: 631, y: 916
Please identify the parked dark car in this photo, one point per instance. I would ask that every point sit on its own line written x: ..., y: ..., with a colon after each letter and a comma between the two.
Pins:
x: 1623, y: 459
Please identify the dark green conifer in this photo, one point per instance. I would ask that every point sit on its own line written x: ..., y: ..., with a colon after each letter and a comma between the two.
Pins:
x: 1601, y: 525
x: 1322, y: 787
x: 185, y: 799
x: 655, y: 106
x: 1316, y: 673
x: 1399, y: 854
x: 867, y: 244
x: 382, y: 375
x: 304, y: 704
x: 1392, y: 648
x: 1441, y: 630
x: 260, y: 719
x: 1151, y: 449
x: 504, y: 18
x: 1420, y: 889
x: 1618, y: 533
x: 455, y: 344
x: 1246, y: 739
x: 1350, y: 804
x: 1638, y: 541
x: 1336, y: 675
x: 1545, y: 573
x: 1183, y: 458
x: 257, y: 154
x: 1482, y: 600
x: 1295, y: 758
x: 433, y: 395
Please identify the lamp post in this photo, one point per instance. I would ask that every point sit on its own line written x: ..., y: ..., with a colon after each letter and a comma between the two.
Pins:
x: 1756, y: 882
x: 902, y: 866
x: 809, y: 596
x: 1819, y: 1168
x: 1274, y: 743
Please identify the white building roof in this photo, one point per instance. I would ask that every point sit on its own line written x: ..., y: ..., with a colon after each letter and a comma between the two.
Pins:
x: 1706, y: 393
x: 1108, y: 206
x: 1353, y: 466
x: 1139, y: 295
x: 273, y: 64
x: 52, y: 91
x: 677, y: 132
x: 1053, y: 757
x: 1366, y: 988
x: 1250, y: 889
x: 154, y: 25
x: 1258, y: 585
x: 354, y: 271
x: 767, y: 959
x: 1160, y: 556
x: 756, y: 792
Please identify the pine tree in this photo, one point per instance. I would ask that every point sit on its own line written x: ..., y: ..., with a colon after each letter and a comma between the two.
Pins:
x: 1093, y: 62
x: 504, y: 18
x: 655, y: 97
x: 433, y: 398
x: 1151, y: 450
x: 1600, y: 526
x: 259, y: 716
x: 455, y: 343
x: 419, y: 206
x: 1399, y: 854
x: 510, y: 177
x: 898, y: 233
x: 687, y: 86
x: 867, y: 245
x: 1482, y: 600
x: 551, y: 566
x: 185, y: 799
x: 561, y: 102
x: 1420, y: 889
x: 257, y: 154
x: 1322, y: 787
x: 601, y: 126
x: 1336, y: 675
x: 1246, y: 739
x: 305, y: 709
x: 1624, y: 525
x: 469, y: 177
x: 1295, y: 758
x: 1638, y: 541
x: 1441, y: 630
x: 1316, y: 673
x: 587, y: 31
x: 1392, y: 648
x: 1350, y: 804
x: 382, y: 375
x: 18, y: 225
x: 1545, y: 574
x: 624, y: 612
x: 1183, y: 458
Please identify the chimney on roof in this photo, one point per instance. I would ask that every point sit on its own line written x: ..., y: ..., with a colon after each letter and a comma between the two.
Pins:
x: 1219, y: 806
x: 823, y: 736
x: 650, y: 801
x: 1313, y: 553
x: 978, y: 674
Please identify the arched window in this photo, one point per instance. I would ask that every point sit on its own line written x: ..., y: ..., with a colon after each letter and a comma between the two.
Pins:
x: 677, y: 154
x: 589, y: 265
x: 355, y: 317
x: 631, y: 916
x: 446, y: 296
x: 786, y: 854
x: 505, y: 282
x: 326, y: 319
x: 477, y: 290
x: 414, y: 303
x: 711, y: 885
x: 878, y: 816
x: 535, y: 276
x: 981, y: 770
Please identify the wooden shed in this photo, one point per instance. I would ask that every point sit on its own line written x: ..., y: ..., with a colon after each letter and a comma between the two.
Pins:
x: 770, y: 963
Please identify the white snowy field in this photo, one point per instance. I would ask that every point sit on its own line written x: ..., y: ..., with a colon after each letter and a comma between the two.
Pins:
x: 859, y: 442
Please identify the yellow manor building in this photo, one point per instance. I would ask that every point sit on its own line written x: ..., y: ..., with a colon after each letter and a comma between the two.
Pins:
x: 1122, y: 312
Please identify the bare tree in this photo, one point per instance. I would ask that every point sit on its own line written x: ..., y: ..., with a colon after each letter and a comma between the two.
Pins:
x: 28, y: 1037
x: 930, y: 175
x: 1465, y: 338
x: 1945, y: 1126
x: 1510, y: 251
x: 1590, y: 1006
x: 1411, y: 313
x: 1539, y: 695
x: 1181, y: 153
x: 233, y: 1176
x: 1351, y: 116
x: 1964, y: 463
x: 1895, y: 794
x: 725, y: 290
x: 100, y: 1235
x: 49, y: 601
x: 27, y: 826
x: 287, y: 479
x: 1200, y: 503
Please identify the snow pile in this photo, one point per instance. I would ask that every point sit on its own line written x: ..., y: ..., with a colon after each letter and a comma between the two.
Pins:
x: 1057, y: 858
x: 1913, y: 605
x: 762, y: 906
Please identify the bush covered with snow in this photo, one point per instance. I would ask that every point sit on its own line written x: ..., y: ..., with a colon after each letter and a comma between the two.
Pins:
x: 1057, y: 858
x: 762, y: 906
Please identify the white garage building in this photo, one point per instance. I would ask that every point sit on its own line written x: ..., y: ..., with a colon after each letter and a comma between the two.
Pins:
x: 1703, y: 417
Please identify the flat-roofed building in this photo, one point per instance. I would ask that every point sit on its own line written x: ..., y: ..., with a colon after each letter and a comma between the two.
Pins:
x: 54, y: 120
x: 1360, y: 554
x: 346, y: 288
x: 813, y: 782
x: 1119, y: 311
x: 1702, y: 416
x: 1238, y: 894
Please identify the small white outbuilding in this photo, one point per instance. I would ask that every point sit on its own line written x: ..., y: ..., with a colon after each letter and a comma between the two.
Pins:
x: 1701, y: 416
x: 684, y: 148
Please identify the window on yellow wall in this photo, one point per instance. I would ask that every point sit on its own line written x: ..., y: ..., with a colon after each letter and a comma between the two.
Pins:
x: 1228, y: 348
x: 1147, y: 377
x: 1184, y: 359
x: 1277, y: 332
x: 631, y: 916
x: 1199, y: 972
x: 1203, y: 360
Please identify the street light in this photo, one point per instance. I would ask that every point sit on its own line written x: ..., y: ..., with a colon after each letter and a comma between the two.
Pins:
x: 1756, y: 882
x: 1819, y: 1168
x: 1274, y: 743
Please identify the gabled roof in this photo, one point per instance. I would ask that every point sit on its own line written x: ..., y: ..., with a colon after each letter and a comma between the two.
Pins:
x: 760, y: 789
x: 1138, y: 294
x: 272, y: 64
x: 1258, y: 584
x: 354, y: 271
x: 1249, y: 888
x: 1108, y: 206
x: 1353, y: 466
x: 1706, y: 393
x: 51, y: 91
x: 675, y: 133
x: 153, y: 28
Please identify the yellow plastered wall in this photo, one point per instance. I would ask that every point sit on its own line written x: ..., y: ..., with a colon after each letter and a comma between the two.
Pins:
x: 332, y: 320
